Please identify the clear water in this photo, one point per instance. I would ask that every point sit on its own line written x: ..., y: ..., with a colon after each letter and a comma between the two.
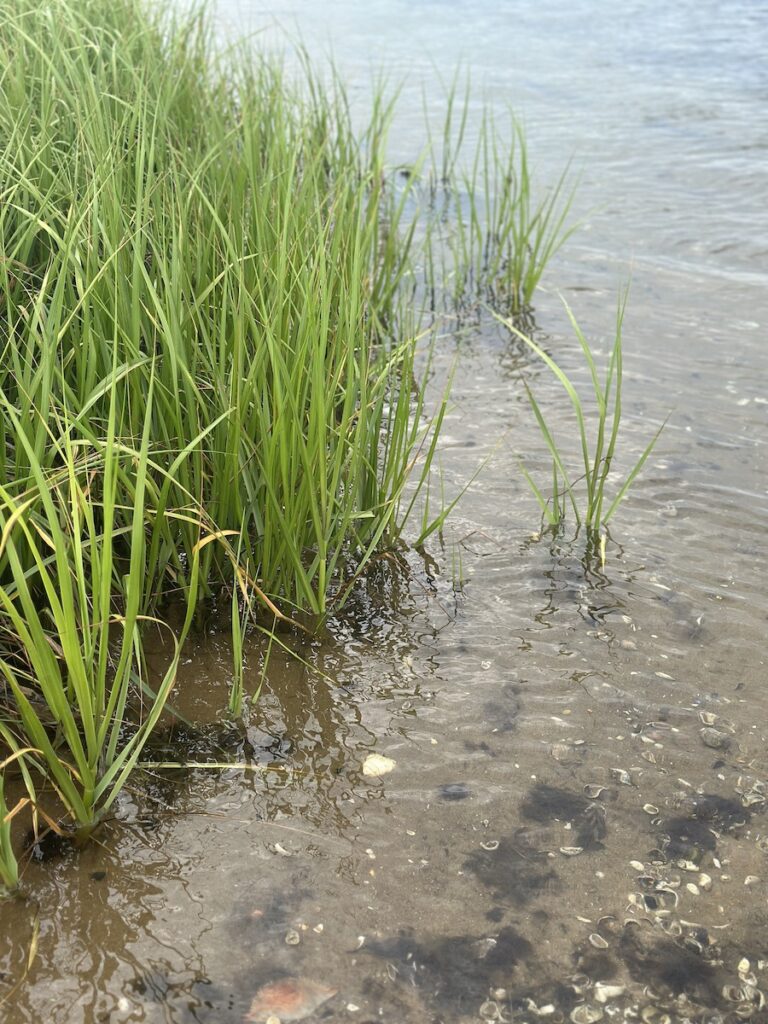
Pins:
x: 545, y: 705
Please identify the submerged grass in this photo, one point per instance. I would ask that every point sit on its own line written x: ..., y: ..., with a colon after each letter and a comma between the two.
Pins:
x: 491, y: 231
x: 209, y: 373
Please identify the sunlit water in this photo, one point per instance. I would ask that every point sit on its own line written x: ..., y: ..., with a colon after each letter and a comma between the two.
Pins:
x: 535, y: 703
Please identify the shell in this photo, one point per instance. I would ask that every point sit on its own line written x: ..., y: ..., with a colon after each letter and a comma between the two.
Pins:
x: 604, y: 993
x: 592, y: 790
x: 651, y: 1015
x: 288, y: 999
x: 586, y: 1014
x: 490, y: 1010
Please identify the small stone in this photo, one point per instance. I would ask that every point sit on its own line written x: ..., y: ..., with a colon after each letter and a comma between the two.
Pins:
x: 715, y: 739
x: 751, y: 880
x: 705, y: 881
x: 292, y: 938
x: 376, y: 764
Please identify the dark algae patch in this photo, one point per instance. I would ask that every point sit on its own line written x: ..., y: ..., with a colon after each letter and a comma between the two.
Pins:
x: 693, y: 836
x: 545, y: 804
x: 455, y: 973
x: 669, y: 967
x: 514, y: 872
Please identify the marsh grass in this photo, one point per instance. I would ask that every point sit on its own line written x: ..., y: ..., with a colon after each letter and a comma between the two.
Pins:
x: 71, y: 601
x: 585, y: 490
x: 494, y: 231
x: 9, y: 864
x: 168, y: 213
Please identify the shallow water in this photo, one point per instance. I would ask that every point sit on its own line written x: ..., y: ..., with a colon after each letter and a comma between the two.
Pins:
x: 541, y: 704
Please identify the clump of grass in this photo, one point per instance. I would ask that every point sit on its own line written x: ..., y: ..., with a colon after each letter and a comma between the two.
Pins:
x: 496, y: 232
x: 206, y: 304
x: 70, y: 603
x: 585, y: 494
x: 205, y: 222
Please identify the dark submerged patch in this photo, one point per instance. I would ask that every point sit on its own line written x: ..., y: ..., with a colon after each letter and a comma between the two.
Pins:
x: 722, y: 812
x: 515, y: 871
x: 667, y: 967
x: 686, y: 838
x: 598, y: 964
x: 544, y: 804
x: 454, y: 972
x: 48, y: 846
